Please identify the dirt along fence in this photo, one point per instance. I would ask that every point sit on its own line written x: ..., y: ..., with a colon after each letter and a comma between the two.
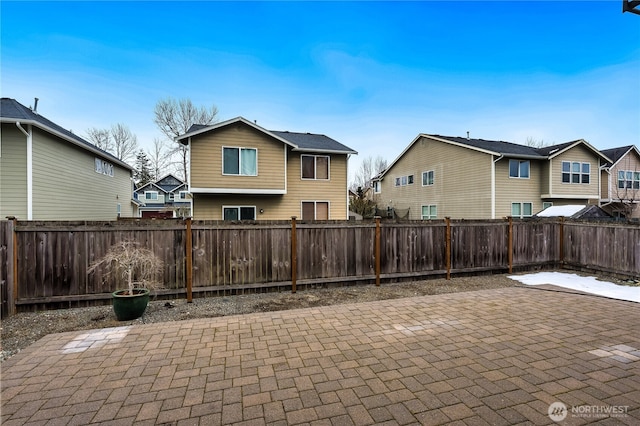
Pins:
x: 44, y: 264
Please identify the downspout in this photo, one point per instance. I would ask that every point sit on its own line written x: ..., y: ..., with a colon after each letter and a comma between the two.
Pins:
x: 493, y: 185
x: 29, y: 135
x: 347, y: 191
x: 189, y: 177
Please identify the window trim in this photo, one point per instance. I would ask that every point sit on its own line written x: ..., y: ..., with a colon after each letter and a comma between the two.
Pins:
x: 429, y: 216
x: 630, y: 180
x: 151, y: 192
x: 240, y: 211
x: 239, y: 148
x: 580, y: 174
x: 315, y: 167
x: 315, y: 208
x: 377, y: 187
x: 404, y: 180
x: 433, y: 178
x: 522, y: 215
x: 520, y: 162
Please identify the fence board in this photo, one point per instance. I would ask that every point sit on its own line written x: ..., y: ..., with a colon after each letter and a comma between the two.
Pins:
x: 53, y: 257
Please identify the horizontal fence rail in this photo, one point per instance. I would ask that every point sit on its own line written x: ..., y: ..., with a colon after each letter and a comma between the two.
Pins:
x: 44, y: 264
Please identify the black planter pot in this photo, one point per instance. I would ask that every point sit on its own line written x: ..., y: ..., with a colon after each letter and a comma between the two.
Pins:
x: 128, y: 306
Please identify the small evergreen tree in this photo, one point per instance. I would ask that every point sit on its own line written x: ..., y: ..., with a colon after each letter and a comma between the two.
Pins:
x: 143, y: 173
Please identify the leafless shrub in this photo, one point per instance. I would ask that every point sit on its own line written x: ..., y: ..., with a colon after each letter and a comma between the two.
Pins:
x: 130, y: 262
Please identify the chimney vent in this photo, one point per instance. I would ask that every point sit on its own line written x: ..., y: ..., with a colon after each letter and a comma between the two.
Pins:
x: 35, y: 105
x: 467, y: 135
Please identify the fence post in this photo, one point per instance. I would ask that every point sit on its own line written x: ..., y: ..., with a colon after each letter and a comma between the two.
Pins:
x: 447, y: 247
x: 561, y: 241
x: 294, y: 255
x: 12, y: 266
x: 510, y: 245
x: 189, y: 253
x: 377, y: 251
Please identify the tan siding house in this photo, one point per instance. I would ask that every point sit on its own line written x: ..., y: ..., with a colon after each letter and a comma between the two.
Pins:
x: 462, y: 178
x: 620, y: 182
x: 241, y: 171
x: 46, y: 172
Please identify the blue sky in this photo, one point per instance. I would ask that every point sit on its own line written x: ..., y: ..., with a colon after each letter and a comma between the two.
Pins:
x: 372, y: 75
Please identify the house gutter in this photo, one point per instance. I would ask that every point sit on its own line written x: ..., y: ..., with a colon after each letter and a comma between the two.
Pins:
x: 493, y: 185
x: 29, y: 135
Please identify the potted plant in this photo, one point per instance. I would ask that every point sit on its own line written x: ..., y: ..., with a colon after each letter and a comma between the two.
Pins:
x: 139, y: 268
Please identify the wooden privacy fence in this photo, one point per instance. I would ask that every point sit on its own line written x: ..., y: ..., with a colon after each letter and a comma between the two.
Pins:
x: 44, y: 264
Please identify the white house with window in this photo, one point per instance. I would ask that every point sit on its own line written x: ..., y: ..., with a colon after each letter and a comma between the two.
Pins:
x: 167, y: 197
x: 242, y: 171
x: 483, y: 179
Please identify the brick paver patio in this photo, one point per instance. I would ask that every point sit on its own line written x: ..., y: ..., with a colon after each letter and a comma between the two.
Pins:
x: 494, y: 357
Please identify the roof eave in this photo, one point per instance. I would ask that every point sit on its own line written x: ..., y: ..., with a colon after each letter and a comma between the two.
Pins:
x: 68, y: 139
x: 325, y: 151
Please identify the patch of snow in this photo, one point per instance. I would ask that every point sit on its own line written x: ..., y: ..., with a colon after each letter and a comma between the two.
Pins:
x: 566, y: 211
x: 584, y: 284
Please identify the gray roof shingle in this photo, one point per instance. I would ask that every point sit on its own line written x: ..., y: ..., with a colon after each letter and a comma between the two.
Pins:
x: 313, y: 142
x: 616, y: 154
x: 12, y: 110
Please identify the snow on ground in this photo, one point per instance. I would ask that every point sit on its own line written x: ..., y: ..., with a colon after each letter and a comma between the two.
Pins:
x: 584, y: 284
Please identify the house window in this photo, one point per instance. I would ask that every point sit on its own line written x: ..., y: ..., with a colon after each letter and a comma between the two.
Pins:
x: 118, y: 209
x: 519, y: 169
x: 182, y: 195
x: 151, y: 195
x: 239, y: 213
x: 376, y: 187
x: 521, y: 209
x: 404, y: 180
x: 315, y: 167
x: 576, y: 172
x: 427, y: 178
x: 315, y: 210
x: 240, y: 161
x: 103, y: 167
x: 546, y: 205
x: 429, y: 212
x: 628, y: 179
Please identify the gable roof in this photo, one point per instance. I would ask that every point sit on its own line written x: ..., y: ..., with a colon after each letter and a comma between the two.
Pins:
x: 499, y: 148
x: 304, y: 142
x: 616, y: 154
x: 12, y: 111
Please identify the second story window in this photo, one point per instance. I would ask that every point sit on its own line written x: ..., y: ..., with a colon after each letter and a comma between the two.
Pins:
x: 150, y: 195
x: 315, y: 166
x: 427, y: 178
x: 519, y: 169
x: 628, y: 179
x: 377, y: 188
x: 404, y: 180
x: 575, y: 172
x: 240, y: 161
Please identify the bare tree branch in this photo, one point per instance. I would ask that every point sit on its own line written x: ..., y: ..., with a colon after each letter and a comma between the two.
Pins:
x: 125, y: 143
x: 100, y: 138
x: 160, y: 158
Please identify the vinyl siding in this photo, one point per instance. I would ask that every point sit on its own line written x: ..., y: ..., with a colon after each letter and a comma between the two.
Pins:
x: 518, y: 190
x: 206, y: 159
x: 13, y: 172
x: 283, y: 207
x: 462, y: 181
x: 62, y: 173
x: 574, y: 191
x: 629, y: 162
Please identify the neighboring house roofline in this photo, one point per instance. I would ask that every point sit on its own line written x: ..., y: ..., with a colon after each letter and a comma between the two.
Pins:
x: 35, y: 119
x: 618, y: 153
x: 142, y: 188
x: 285, y: 137
x: 568, y: 145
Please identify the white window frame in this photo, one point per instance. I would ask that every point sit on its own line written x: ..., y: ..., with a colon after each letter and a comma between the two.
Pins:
x: 430, y: 182
x: 404, y: 180
x: 520, y: 162
x: 239, y: 209
x: 377, y: 187
x: 546, y: 205
x: 429, y: 215
x: 315, y: 167
x: 522, y: 204
x: 151, y: 193
x: 183, y: 195
x: 571, y: 173
x: 630, y: 179
x: 315, y: 207
x: 240, y: 149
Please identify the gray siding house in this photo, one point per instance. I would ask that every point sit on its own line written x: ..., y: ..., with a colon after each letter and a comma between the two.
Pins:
x: 49, y: 173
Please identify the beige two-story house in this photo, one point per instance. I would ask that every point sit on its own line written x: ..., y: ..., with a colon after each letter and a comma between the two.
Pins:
x: 241, y: 171
x: 441, y: 176
x: 50, y: 173
x: 620, y: 192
